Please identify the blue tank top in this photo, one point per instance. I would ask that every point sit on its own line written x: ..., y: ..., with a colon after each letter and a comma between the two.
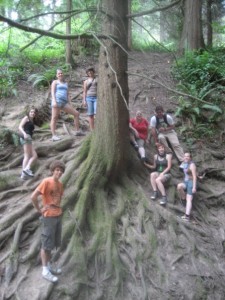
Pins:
x: 61, y: 92
x: 185, y: 166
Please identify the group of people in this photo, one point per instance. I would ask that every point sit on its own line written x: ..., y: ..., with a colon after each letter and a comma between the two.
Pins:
x: 161, y: 128
x: 60, y: 101
x: 51, y: 189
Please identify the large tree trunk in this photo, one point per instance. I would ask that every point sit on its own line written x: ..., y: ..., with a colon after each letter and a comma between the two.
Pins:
x: 192, y: 37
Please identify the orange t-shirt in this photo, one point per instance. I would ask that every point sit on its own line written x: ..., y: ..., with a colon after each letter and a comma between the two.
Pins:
x: 51, y: 192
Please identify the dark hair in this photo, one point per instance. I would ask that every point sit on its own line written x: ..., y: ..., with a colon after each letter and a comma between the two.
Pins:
x: 57, y: 164
x: 90, y: 69
x: 27, y: 111
x: 159, y: 108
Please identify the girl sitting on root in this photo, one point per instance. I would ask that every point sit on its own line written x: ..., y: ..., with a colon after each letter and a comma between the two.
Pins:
x: 162, y: 165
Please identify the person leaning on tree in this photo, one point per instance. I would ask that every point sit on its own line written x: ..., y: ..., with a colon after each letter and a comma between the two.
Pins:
x: 90, y: 96
x: 162, y: 129
x: 51, y: 191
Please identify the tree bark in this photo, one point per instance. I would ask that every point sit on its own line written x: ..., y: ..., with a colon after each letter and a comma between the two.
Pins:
x: 192, y: 37
x: 68, y: 32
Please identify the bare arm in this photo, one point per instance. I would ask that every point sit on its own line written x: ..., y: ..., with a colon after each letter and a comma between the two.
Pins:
x: 34, y: 199
x: 154, y: 134
x: 134, y: 130
x: 194, y: 175
x: 165, y: 129
x: 53, y: 88
x: 85, y: 93
x: 21, y: 126
x: 151, y: 166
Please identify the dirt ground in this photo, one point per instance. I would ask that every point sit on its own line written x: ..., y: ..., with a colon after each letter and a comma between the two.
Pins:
x: 204, y: 272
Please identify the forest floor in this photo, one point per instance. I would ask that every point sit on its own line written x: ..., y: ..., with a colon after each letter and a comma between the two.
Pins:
x: 209, y: 155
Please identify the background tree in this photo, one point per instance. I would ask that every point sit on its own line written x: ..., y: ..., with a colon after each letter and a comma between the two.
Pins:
x: 192, y: 36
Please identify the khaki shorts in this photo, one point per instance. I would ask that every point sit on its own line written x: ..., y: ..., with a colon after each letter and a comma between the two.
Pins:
x: 51, y: 231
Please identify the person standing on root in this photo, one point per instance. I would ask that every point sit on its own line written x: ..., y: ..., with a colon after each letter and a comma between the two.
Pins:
x: 162, y: 129
x: 62, y: 101
x: 139, y: 133
x: 26, y: 129
x: 187, y: 188
x: 162, y: 165
x: 51, y: 190
x: 90, y: 95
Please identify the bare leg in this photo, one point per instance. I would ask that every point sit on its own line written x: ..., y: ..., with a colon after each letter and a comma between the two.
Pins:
x: 55, y: 115
x: 91, y: 122
x: 153, y: 177
x: 188, y: 204
x: 159, y: 183
x: 45, y: 257
x: 180, y: 188
x: 70, y: 110
x: 26, y: 149
x: 32, y: 158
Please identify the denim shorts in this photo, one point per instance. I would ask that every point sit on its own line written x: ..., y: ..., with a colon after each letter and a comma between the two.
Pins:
x: 60, y: 103
x: 92, y: 105
x: 188, y: 187
x: 25, y: 141
x: 51, y: 231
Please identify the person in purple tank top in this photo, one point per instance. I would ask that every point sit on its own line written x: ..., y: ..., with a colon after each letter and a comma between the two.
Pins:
x: 90, y: 95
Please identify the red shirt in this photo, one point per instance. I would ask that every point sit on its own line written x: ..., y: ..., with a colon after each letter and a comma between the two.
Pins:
x: 141, y: 127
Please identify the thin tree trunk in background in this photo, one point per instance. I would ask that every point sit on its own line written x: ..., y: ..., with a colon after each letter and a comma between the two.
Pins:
x: 129, y: 38
x: 209, y: 23
x: 68, y: 31
x: 192, y: 36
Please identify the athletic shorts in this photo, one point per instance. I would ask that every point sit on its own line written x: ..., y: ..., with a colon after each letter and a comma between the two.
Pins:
x: 188, y: 187
x: 51, y: 231
x: 91, y: 105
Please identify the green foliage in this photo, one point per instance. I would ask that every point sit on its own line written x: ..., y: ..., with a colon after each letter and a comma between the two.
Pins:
x: 151, y: 46
x: 8, y: 137
x: 202, y: 75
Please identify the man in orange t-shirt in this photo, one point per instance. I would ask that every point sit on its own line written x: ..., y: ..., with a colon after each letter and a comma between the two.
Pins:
x: 51, y: 191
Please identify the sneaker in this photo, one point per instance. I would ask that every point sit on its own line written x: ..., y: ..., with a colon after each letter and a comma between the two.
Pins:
x: 79, y: 133
x: 56, y: 138
x: 50, y: 277
x: 24, y: 176
x: 154, y: 195
x: 56, y: 271
x: 28, y: 172
x: 185, y: 218
x: 163, y: 200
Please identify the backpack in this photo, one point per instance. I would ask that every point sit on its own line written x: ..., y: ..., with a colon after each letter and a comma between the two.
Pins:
x: 164, y: 119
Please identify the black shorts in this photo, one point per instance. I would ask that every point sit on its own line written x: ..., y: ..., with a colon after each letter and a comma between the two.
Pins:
x: 51, y: 231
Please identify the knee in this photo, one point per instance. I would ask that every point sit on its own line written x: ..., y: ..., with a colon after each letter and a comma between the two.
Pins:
x: 179, y: 187
x: 158, y: 180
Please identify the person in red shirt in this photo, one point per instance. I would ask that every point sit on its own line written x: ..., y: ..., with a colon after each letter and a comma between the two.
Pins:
x: 51, y: 191
x: 139, y: 133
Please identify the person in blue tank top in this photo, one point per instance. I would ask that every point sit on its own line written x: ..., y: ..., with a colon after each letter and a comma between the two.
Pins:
x: 62, y: 101
x: 187, y: 188
x: 162, y: 165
